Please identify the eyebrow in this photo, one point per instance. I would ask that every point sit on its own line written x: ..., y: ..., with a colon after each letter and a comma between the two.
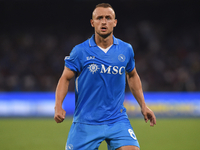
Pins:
x: 103, y: 16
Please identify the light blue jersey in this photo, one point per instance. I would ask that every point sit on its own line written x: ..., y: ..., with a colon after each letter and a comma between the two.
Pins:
x: 100, y: 81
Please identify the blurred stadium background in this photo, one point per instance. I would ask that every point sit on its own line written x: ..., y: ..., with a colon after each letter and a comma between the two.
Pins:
x: 36, y: 35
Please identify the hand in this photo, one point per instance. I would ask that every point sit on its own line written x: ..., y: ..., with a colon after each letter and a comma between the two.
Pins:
x: 149, y: 115
x: 59, y: 115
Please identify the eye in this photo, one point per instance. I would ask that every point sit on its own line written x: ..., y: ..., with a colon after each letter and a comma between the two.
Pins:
x: 108, y: 18
x: 99, y: 18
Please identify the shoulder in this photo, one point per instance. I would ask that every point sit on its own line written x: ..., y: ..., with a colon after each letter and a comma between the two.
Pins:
x: 124, y: 44
x: 80, y: 48
x: 83, y: 45
x: 126, y: 47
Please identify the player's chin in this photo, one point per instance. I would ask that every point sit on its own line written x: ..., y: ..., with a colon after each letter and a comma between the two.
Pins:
x: 105, y: 34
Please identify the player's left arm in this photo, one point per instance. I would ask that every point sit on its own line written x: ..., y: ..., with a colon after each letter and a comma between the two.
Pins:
x: 135, y: 86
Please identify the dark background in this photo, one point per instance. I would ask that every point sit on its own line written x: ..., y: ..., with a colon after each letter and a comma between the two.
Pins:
x: 35, y: 36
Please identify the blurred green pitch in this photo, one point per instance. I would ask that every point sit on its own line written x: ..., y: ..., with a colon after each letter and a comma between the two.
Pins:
x: 45, y: 134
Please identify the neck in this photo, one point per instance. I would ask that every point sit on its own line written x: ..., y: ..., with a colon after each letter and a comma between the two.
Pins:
x: 104, y: 42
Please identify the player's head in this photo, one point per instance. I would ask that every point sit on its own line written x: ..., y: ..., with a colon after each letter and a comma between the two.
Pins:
x: 103, y: 5
x: 103, y: 19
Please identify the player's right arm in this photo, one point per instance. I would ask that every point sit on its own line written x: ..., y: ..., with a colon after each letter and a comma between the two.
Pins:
x: 61, y: 92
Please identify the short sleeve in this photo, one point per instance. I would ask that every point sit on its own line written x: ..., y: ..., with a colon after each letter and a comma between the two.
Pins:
x: 73, y: 62
x: 131, y: 63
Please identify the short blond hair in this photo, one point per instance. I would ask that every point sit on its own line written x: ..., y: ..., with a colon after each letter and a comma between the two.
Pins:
x: 104, y: 5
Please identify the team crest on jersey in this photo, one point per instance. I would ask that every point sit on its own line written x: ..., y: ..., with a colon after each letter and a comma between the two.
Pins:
x: 69, y: 147
x: 93, y: 68
x: 121, y: 58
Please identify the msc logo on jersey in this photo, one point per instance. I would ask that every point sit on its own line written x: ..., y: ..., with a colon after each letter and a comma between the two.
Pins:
x: 109, y: 70
x: 93, y: 68
x: 121, y: 58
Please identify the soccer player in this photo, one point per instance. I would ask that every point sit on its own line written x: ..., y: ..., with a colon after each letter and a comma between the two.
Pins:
x: 100, y: 65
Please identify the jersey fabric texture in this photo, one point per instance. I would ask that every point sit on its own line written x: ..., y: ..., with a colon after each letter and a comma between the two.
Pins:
x: 89, y: 137
x: 100, y: 81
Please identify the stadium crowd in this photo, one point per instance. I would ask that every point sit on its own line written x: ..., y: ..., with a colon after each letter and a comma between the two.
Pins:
x: 35, y: 38
x: 167, y: 59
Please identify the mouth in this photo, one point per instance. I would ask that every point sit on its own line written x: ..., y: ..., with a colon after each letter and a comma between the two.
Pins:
x: 103, y: 29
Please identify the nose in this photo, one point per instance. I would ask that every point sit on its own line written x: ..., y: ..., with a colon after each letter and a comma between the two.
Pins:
x: 103, y: 21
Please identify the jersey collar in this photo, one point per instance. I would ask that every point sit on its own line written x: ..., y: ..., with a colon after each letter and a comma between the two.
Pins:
x: 93, y: 43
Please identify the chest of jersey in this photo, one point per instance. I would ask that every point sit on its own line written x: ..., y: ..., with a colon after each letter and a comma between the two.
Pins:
x: 94, y: 60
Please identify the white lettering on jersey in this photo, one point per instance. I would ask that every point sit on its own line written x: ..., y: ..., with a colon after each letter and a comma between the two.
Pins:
x: 104, y: 70
x: 115, y: 70
x: 90, y: 57
x: 120, y: 70
x: 109, y: 70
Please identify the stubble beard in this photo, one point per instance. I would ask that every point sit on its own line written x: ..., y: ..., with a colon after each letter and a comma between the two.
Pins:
x: 104, y: 35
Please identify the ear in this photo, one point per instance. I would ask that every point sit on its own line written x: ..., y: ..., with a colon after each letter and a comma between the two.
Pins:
x: 92, y: 22
x: 115, y: 23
